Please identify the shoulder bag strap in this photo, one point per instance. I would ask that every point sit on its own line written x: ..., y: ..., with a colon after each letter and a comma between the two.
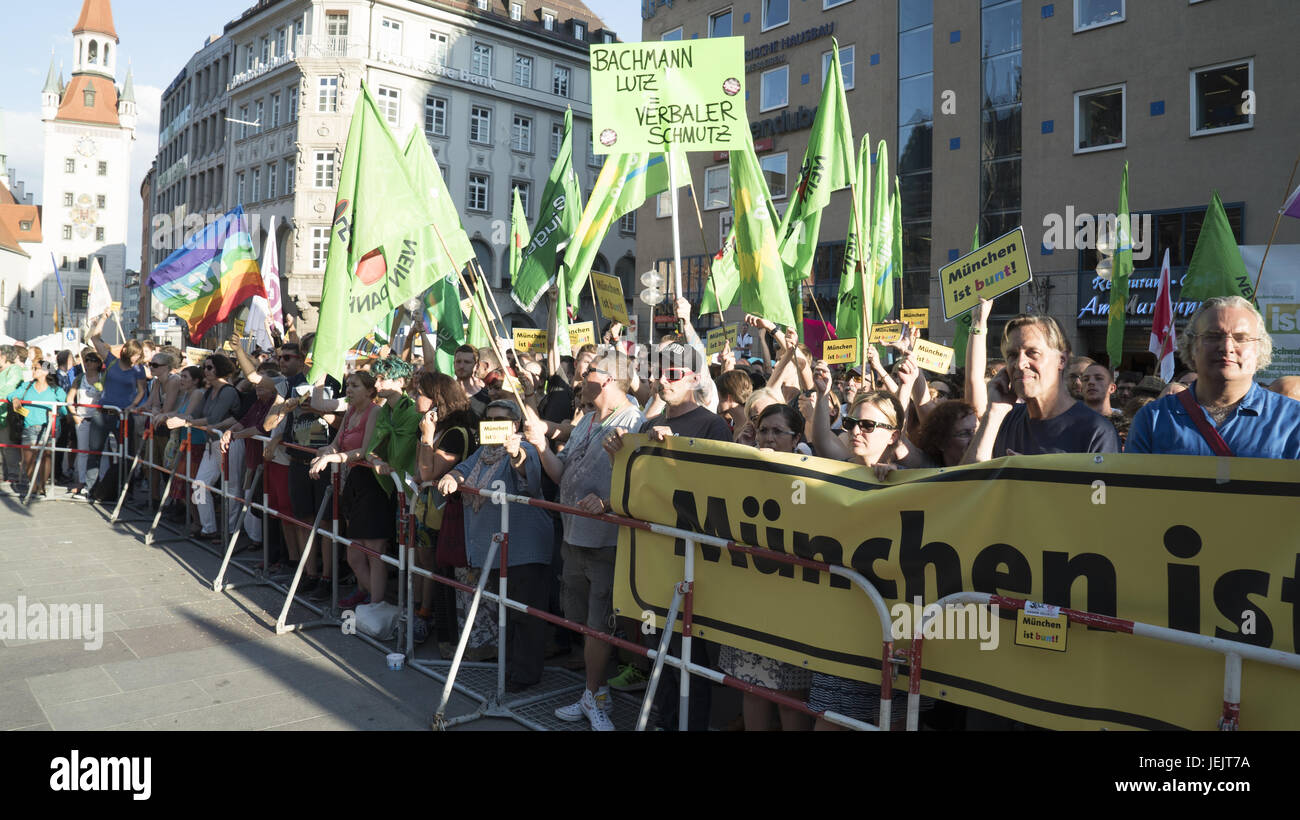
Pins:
x: 1211, y: 435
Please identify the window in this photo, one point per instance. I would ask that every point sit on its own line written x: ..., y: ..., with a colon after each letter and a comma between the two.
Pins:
x: 257, y: 185
x: 67, y: 232
x: 775, y: 13
x: 516, y: 11
x: 69, y: 166
x: 675, y: 34
x: 1093, y: 13
x: 579, y: 31
x: 560, y: 81
x: 271, y: 181
x: 1219, y: 95
x: 239, y: 189
x: 830, y: 4
x: 243, y: 121
x: 67, y: 200
x: 438, y: 47
x: 320, y: 247
x: 523, y: 71
x: 481, y: 63
x: 259, y: 109
x: 25, y: 225
x: 275, y: 110
x: 81, y: 263
x: 281, y: 42
x: 250, y: 59
x: 336, y: 24
x: 627, y: 222
x: 774, y: 172
x: 289, y: 171
x: 99, y: 234
x: 103, y: 169
x: 324, y: 166
x: 521, y: 134
x: 390, y: 35
x: 663, y: 205
x: 390, y: 102
x: 101, y: 201
x: 720, y: 24
x: 846, y: 66
x: 774, y: 88
x: 1099, y: 118
x: 482, y: 5
x: 327, y: 100
x: 435, y: 116
x: 717, y: 187
x: 479, y: 187
x: 89, y: 95
x: 523, y: 188
x: 293, y: 105
x: 266, y: 49
x: 548, y: 20
x: 557, y: 139
x: 480, y: 124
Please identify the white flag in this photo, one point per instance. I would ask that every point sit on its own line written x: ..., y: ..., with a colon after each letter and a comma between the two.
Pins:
x: 99, y: 300
x: 262, y: 309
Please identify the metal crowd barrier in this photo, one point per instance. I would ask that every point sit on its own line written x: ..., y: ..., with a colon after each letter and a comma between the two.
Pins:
x: 46, y: 446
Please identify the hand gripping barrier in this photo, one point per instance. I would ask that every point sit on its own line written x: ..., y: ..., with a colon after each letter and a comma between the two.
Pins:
x: 1232, y: 651
x: 45, y: 447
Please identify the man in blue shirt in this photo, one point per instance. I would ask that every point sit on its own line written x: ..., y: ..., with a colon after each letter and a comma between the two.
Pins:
x: 1226, y: 344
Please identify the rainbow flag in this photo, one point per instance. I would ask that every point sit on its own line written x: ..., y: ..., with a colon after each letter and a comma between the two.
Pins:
x: 215, y: 270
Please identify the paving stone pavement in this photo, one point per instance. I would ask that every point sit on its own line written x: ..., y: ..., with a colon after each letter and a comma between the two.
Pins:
x: 175, y: 655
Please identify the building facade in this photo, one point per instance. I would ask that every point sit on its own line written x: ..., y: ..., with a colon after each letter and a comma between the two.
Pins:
x: 1006, y: 113
x: 486, y: 84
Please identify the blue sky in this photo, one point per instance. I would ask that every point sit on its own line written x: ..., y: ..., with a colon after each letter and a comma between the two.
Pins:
x: 158, y: 41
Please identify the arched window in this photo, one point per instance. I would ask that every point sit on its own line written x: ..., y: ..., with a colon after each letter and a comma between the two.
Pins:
x: 106, y: 60
x: 78, y: 53
x: 625, y: 270
x: 92, y: 53
x: 483, y: 253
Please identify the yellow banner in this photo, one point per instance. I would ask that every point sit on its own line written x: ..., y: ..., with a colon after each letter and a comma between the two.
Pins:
x: 1152, y: 539
x: 528, y: 340
x: 609, y: 292
x: 996, y: 268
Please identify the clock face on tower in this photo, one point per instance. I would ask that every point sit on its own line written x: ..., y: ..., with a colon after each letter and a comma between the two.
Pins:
x: 84, y: 215
x: 86, y: 147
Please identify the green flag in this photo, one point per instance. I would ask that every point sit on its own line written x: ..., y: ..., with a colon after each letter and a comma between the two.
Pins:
x: 441, y: 300
x: 1120, y: 272
x: 964, y: 321
x: 1216, y: 268
x: 852, y: 299
x: 896, y: 256
x: 480, y: 329
x: 625, y: 182
x: 561, y: 210
x: 723, y: 273
x: 882, y: 241
x: 376, y: 240
x: 762, y: 277
x: 519, y: 236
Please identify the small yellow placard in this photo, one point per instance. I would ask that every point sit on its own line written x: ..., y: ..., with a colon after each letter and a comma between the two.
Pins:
x: 196, y: 355
x: 116, y: 307
x: 238, y: 326
x: 494, y: 432
x: 718, y: 337
x: 885, y: 333
x: 933, y: 356
x: 916, y: 317
x: 1042, y: 631
x: 583, y: 333
x: 840, y: 351
x: 609, y: 292
x: 530, y: 341
x: 998, y: 267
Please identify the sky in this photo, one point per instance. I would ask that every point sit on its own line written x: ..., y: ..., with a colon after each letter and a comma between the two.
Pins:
x: 157, y: 46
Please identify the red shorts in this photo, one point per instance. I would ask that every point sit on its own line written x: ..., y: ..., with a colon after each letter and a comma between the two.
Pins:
x: 277, y: 488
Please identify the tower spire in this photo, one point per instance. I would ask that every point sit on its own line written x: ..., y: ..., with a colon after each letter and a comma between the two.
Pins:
x: 96, y: 18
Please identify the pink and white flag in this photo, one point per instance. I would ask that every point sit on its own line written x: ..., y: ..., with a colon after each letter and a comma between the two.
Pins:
x: 269, y: 308
x: 1163, y: 340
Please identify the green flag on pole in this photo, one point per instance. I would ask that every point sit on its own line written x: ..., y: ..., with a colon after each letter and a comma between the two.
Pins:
x: 480, y: 329
x: 560, y: 212
x: 441, y: 300
x: 1120, y: 272
x: 377, y: 237
x: 625, y: 182
x: 724, y: 273
x: 896, y: 256
x: 1216, y: 268
x: 965, y: 320
x: 882, y: 241
x: 853, y: 301
x: 762, y: 276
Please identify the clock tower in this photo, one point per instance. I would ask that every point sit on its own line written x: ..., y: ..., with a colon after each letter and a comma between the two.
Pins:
x: 89, y: 131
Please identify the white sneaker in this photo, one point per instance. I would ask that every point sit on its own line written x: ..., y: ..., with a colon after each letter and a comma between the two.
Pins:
x: 575, y: 712
x: 594, y: 710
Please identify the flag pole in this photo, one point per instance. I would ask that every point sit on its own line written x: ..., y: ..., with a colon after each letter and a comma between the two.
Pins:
x: 1276, y: 221
x: 704, y: 242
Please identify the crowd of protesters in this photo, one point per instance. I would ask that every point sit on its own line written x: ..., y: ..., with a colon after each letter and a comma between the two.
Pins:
x: 396, y: 414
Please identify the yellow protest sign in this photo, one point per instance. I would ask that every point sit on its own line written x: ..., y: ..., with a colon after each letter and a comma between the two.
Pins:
x: 1023, y: 527
x: 196, y: 355
x: 528, y: 340
x: 885, y: 333
x: 238, y: 326
x: 840, y: 351
x: 494, y: 432
x: 718, y: 337
x: 996, y: 268
x: 116, y: 307
x: 583, y: 333
x: 933, y: 356
x: 916, y: 317
x: 609, y: 292
x: 1041, y: 630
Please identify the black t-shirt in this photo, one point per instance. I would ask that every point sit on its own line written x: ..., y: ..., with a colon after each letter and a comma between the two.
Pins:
x: 698, y: 423
x: 1077, y: 430
x: 557, y: 405
x: 479, y: 401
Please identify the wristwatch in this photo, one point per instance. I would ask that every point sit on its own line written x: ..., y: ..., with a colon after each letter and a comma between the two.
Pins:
x: 978, y: 331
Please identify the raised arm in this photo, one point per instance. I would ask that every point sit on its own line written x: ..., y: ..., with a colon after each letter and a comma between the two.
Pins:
x: 1001, y: 400
x: 826, y: 443
x: 977, y: 357
x: 96, y: 339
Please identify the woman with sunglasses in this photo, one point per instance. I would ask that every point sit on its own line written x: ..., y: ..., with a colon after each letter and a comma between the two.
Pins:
x: 43, y: 387
x: 779, y: 428
x: 215, y: 409
x: 164, y: 393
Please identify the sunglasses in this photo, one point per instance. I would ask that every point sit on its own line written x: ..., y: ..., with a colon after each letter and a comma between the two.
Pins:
x: 868, y: 426
x: 157, y: 364
x: 289, y: 356
x: 208, y: 367
x: 675, y: 374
